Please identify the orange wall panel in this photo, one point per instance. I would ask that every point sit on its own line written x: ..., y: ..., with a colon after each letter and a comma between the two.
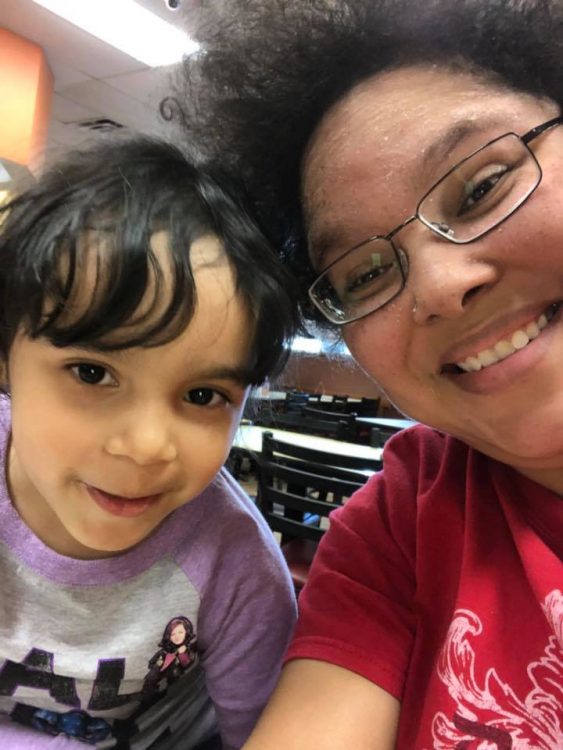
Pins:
x: 26, y: 89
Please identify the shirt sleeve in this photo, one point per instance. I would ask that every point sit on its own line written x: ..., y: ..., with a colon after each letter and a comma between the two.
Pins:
x: 246, y: 619
x: 357, y: 609
x: 15, y: 736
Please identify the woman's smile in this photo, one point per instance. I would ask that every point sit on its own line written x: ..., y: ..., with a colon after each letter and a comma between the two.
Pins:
x: 507, y: 345
x: 527, y: 345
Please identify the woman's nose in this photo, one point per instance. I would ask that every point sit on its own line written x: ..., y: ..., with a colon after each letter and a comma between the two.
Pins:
x: 145, y: 437
x: 444, y: 278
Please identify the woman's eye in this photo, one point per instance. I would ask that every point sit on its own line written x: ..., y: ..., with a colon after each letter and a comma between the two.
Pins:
x: 92, y: 374
x: 368, y: 281
x: 476, y: 190
x: 205, y: 397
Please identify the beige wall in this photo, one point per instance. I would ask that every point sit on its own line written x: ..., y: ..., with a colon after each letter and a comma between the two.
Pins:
x: 320, y: 374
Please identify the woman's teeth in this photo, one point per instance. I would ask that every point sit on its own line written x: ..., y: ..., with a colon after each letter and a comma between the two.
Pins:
x: 504, y: 348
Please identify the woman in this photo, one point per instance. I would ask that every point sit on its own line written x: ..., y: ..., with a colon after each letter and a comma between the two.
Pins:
x: 410, y: 161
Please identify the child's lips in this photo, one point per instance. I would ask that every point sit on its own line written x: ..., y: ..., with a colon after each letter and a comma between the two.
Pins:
x: 118, y: 505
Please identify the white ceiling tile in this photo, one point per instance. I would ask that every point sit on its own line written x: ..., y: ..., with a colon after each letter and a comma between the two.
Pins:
x: 66, y: 110
x: 65, y: 75
x: 146, y: 85
x: 99, y: 96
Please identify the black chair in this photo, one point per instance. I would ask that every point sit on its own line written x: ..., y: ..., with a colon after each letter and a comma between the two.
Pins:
x: 340, y: 403
x: 332, y: 404
x: 294, y: 495
x: 349, y: 420
x: 368, y: 407
x: 341, y: 466
x: 295, y: 401
x: 380, y: 434
x: 300, y: 423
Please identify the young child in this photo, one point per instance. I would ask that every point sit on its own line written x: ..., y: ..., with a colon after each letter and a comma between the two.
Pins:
x: 138, y: 302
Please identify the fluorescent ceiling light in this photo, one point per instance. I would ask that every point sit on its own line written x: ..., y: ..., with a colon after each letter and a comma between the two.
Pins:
x: 128, y: 26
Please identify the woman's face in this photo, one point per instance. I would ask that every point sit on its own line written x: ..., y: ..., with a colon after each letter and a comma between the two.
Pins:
x: 370, y: 161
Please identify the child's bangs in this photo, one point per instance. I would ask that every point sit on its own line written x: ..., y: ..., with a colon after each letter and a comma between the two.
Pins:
x: 115, y: 287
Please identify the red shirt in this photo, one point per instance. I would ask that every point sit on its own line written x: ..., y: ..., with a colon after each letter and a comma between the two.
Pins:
x: 441, y: 581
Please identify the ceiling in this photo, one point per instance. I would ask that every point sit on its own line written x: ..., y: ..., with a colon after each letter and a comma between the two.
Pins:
x: 93, y: 81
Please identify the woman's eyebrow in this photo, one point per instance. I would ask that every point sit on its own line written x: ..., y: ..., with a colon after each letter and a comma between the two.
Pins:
x: 325, y: 238
x: 321, y: 243
x: 453, y: 135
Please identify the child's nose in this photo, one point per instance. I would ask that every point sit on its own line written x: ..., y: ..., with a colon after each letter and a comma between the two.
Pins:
x: 145, y: 437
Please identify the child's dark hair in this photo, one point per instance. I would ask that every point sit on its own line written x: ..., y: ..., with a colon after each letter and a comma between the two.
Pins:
x: 117, y: 195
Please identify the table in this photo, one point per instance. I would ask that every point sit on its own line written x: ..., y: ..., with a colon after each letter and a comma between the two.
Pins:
x: 397, y: 424
x: 249, y: 437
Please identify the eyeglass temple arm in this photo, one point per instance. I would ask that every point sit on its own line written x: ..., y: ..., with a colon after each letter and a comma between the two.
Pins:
x: 539, y: 129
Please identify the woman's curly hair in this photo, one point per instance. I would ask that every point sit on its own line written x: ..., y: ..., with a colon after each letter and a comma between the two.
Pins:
x: 270, y: 69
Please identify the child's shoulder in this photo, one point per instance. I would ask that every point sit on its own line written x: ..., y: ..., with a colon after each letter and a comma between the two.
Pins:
x: 226, y: 516
x: 225, y: 544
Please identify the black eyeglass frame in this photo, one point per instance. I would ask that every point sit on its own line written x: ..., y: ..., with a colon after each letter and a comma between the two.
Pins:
x: 400, y: 255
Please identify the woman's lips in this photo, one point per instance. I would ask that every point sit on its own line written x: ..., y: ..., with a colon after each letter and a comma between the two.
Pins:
x: 466, y: 360
x: 511, y: 370
x: 128, y: 507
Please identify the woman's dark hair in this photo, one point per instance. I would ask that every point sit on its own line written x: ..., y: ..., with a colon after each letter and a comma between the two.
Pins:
x: 270, y: 69
x: 110, y: 200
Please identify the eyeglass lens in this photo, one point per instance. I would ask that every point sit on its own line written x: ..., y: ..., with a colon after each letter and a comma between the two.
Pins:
x: 482, y: 190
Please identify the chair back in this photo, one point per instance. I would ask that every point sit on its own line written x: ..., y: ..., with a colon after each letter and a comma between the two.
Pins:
x: 297, y: 489
x: 332, y: 416
x: 380, y: 434
x: 295, y: 401
x: 295, y: 494
x: 337, y: 429
x: 340, y: 466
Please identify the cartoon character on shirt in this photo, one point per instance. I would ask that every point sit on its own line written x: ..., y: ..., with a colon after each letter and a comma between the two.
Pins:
x: 177, y: 652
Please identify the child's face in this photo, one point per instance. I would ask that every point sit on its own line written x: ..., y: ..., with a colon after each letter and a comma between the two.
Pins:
x: 106, y: 445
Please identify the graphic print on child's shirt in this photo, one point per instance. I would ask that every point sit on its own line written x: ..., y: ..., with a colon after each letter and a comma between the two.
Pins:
x: 176, y: 656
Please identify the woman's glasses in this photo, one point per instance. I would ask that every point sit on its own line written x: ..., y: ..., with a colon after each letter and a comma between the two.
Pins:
x: 471, y: 199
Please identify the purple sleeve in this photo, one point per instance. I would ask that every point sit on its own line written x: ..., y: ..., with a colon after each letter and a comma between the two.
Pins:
x: 247, y: 611
x: 17, y: 737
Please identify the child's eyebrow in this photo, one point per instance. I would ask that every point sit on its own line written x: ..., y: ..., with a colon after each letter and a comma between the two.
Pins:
x: 240, y: 375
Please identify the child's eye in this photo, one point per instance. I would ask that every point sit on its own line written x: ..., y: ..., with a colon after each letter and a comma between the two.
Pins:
x: 92, y: 374
x: 205, y: 397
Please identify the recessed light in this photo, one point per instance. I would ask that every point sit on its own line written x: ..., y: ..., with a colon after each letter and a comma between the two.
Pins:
x: 127, y: 26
